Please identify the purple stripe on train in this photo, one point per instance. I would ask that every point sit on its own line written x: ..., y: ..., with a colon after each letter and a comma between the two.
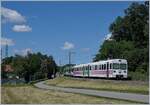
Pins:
x: 93, y: 72
x: 100, y: 72
x: 77, y: 72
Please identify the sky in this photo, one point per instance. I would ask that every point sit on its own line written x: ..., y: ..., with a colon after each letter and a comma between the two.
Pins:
x: 55, y: 28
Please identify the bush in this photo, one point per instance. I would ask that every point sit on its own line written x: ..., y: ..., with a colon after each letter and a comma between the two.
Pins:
x: 143, y: 76
x: 39, y: 75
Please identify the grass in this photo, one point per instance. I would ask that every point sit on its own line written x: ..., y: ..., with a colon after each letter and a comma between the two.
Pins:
x: 109, y: 85
x: 139, y: 76
x: 35, y: 81
x: 32, y: 95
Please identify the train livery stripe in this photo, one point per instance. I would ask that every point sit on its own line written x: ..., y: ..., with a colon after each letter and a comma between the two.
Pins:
x: 100, y: 72
x: 93, y: 72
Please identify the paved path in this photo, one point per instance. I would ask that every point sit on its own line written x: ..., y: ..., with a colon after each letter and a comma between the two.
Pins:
x: 108, y: 94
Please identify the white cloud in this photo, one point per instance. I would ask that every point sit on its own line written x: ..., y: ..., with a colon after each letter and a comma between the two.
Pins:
x: 68, y: 46
x: 26, y: 51
x: 6, y: 41
x: 9, y: 15
x: 23, y: 52
x: 108, y: 36
x: 22, y: 28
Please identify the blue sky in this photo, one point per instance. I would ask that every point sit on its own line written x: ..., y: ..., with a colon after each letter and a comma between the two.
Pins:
x: 54, y: 28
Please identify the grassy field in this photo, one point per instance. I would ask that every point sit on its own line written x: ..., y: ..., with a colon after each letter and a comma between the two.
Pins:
x: 32, y: 95
x: 110, y: 85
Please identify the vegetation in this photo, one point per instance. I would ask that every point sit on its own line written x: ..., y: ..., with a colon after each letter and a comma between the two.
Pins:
x: 130, y: 40
x: 61, y: 69
x: 109, y: 85
x: 31, y: 95
x: 33, y: 66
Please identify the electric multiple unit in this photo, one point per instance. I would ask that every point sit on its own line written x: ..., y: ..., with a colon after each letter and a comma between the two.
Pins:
x: 112, y: 68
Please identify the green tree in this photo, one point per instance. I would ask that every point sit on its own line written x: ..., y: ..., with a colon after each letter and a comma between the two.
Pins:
x: 30, y: 66
x: 130, y: 38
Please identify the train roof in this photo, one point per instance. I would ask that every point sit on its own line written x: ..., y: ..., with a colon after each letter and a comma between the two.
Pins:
x: 102, y: 61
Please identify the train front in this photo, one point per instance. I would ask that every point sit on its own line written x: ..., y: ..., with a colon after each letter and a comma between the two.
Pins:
x: 119, y: 68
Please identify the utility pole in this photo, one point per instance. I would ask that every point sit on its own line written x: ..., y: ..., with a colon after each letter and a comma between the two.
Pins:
x: 70, y: 53
x: 6, y: 51
x: 1, y: 53
x: 60, y: 68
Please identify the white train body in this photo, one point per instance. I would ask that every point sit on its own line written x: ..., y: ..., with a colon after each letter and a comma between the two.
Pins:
x: 112, y: 68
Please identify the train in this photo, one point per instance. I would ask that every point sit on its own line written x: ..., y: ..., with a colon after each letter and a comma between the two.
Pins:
x: 111, y: 68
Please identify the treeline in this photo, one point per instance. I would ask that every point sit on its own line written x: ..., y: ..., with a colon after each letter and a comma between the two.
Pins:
x: 33, y: 66
x: 130, y: 40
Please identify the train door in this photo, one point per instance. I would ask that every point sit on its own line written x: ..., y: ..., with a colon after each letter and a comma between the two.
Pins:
x: 107, y: 68
x: 88, y: 70
x: 86, y: 73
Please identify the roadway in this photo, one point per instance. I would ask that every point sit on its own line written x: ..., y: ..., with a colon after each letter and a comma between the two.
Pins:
x: 107, y: 94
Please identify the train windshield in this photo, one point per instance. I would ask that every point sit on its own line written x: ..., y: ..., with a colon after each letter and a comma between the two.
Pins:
x: 115, y: 65
x: 123, y: 66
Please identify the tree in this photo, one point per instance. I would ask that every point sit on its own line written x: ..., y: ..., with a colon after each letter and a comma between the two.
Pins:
x: 31, y: 66
x: 130, y: 35
x: 133, y: 26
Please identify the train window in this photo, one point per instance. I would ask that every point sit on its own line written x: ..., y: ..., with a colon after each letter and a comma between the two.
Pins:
x: 115, y: 66
x: 123, y: 66
x: 104, y: 66
x: 110, y: 65
x: 107, y: 65
x: 99, y: 67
